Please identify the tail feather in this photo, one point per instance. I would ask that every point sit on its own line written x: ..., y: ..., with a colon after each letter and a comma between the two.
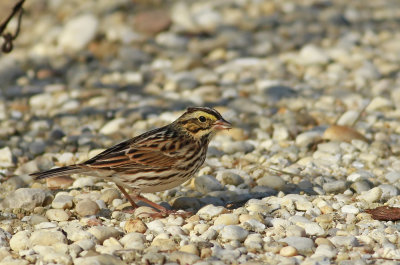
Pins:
x: 56, y: 172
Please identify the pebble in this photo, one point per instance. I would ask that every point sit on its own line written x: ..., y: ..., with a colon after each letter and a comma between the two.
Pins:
x: 20, y: 241
x: 334, y: 187
x: 288, y: 251
x: 102, y: 233
x: 190, y: 248
x: 271, y: 181
x: 135, y: 225
x: 350, y: 209
x: 372, y: 195
x: 229, y: 178
x: 344, y: 241
x: 87, y: 207
x: 47, y: 238
x: 62, y: 202
x: 233, y: 232
x: 184, y: 258
x: 109, y: 195
x: 227, y: 219
x: 25, y: 198
x: 210, y: 211
x: 58, y: 215
x: 302, y: 244
x: 6, y: 159
x: 102, y: 259
x: 313, y: 229
x: 207, y: 183
x: 133, y: 240
x: 84, y: 26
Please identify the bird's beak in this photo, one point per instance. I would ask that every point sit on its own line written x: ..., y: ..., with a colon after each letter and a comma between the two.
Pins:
x: 222, y: 125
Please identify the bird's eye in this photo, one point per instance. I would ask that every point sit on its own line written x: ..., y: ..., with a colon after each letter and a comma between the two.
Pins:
x: 202, y: 118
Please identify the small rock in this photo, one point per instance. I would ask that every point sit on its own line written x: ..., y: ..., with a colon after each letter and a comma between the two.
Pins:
x: 337, y: 186
x: 47, y: 238
x: 393, y: 176
x: 207, y: 183
x: 227, y: 219
x: 346, y: 241
x: 103, y: 259
x: 109, y: 195
x: 302, y: 244
x: 191, y: 248
x: 152, y: 22
x: 350, y: 209
x: 342, y: 133
x: 37, y: 147
x: 288, y: 251
x: 135, y: 225
x: 388, y: 191
x: 233, y: 232
x: 307, y: 138
x: 210, y: 211
x: 361, y: 186
x: 164, y: 244
x: 229, y: 178
x: 6, y: 157
x: 183, y: 257
x: 313, y: 229
x: 102, y: 233
x: 78, y: 32
x: 25, y: 198
x: 311, y: 54
x: 87, y: 207
x: 186, y: 203
x: 325, y: 250
x: 20, y: 241
x: 62, y: 202
x: 58, y: 215
x: 112, y: 126
x: 83, y: 182
x: 271, y: 181
x: 372, y: 195
x: 379, y: 103
x: 133, y: 240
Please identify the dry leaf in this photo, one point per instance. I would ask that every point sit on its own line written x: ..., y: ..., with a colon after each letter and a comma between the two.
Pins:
x: 385, y: 213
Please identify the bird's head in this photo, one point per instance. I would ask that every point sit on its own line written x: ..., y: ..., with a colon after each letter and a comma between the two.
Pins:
x: 201, y: 121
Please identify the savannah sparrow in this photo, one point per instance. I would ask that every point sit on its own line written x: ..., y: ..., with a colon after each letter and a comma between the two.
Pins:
x: 157, y: 160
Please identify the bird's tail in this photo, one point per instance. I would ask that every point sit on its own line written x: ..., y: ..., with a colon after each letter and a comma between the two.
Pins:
x: 56, y: 172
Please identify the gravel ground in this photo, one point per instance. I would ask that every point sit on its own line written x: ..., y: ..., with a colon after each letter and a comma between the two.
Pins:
x: 312, y: 88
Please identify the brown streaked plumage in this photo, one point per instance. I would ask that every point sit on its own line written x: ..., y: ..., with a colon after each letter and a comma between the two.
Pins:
x: 156, y: 160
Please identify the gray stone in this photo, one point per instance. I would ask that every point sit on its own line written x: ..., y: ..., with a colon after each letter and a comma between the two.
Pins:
x: 233, y: 232
x: 25, y: 198
x: 37, y: 147
x: 271, y: 181
x: 302, y: 244
x: 388, y: 191
x: 207, y: 183
x: 337, y: 186
x: 361, y: 186
x: 229, y: 178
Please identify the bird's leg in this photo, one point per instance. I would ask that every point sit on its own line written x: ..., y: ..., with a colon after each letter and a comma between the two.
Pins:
x: 134, y: 205
x: 163, y: 211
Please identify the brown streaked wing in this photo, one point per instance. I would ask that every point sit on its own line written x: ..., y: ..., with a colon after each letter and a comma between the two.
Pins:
x: 139, y: 159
